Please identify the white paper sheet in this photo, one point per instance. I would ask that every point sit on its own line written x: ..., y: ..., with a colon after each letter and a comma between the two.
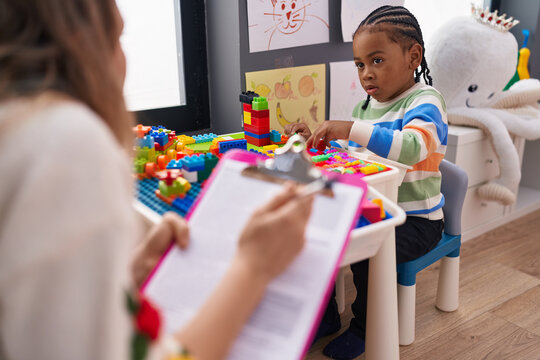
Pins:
x: 354, y: 11
x: 345, y: 90
x: 281, y: 324
x: 278, y: 24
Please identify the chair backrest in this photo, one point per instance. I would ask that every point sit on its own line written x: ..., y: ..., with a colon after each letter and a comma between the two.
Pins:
x: 454, y: 187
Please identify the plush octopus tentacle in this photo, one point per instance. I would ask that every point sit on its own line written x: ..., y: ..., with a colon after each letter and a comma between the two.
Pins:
x: 501, y: 189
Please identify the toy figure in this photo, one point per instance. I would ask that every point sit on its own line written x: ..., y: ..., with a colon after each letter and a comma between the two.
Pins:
x: 471, y: 60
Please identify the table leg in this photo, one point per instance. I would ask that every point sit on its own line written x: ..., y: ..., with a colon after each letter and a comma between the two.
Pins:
x: 382, y: 337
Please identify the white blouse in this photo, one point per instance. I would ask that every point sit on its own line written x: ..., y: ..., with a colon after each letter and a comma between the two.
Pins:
x: 67, y: 229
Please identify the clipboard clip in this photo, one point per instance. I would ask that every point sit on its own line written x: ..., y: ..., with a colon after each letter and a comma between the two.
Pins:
x: 290, y: 162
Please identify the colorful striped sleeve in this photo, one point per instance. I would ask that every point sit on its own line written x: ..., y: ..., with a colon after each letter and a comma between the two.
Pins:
x: 408, y: 139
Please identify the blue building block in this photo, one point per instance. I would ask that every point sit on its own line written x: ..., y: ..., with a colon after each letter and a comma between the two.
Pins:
x: 225, y: 146
x: 146, y: 194
x: 204, y: 138
x: 175, y: 164
x: 262, y: 136
x: 193, y: 163
x: 162, y: 138
x: 147, y: 141
x: 275, y: 136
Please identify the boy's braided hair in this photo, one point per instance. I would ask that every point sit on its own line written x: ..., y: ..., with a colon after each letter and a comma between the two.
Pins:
x: 403, y: 29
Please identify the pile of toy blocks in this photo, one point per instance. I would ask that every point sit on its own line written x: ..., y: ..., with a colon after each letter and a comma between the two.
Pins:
x: 256, y: 118
x: 343, y: 163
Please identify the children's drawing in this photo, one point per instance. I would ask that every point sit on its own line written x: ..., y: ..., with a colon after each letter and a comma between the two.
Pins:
x: 354, y: 11
x: 295, y: 94
x: 277, y: 24
x: 345, y: 90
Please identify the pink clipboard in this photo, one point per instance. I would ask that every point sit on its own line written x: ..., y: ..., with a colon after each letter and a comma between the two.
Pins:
x: 252, y: 159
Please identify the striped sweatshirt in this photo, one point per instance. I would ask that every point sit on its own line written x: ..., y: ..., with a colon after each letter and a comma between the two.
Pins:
x: 411, y: 129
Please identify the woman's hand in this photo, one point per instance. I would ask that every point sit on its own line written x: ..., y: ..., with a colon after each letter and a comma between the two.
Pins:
x: 275, y: 234
x: 328, y: 131
x: 172, y: 228
x: 298, y: 128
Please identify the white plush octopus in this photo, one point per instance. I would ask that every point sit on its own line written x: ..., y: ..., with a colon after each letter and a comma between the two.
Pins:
x: 471, y: 61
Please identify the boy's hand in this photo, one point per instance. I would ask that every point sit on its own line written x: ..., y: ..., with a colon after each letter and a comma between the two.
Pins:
x: 299, y: 128
x: 149, y: 252
x: 328, y: 131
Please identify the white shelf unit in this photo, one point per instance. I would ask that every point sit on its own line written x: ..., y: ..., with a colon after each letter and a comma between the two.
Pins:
x: 470, y: 148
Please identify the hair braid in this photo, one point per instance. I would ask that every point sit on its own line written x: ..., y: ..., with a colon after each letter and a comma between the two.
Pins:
x: 404, y: 26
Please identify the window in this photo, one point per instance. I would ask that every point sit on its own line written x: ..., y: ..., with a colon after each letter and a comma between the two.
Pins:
x: 165, y: 46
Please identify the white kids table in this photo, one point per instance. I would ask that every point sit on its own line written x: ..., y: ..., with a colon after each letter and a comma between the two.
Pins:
x: 376, y: 242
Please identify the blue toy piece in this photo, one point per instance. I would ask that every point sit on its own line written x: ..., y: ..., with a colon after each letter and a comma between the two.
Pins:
x: 257, y: 136
x: 162, y: 138
x: 225, y: 146
x: 193, y: 163
x: 146, y: 142
x: 275, y: 136
x: 453, y: 187
x: 204, y: 138
x: 175, y: 164
x: 146, y: 195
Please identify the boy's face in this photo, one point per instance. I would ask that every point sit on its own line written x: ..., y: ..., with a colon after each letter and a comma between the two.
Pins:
x: 384, y: 68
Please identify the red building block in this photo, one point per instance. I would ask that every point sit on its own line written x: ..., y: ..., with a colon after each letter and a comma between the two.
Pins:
x: 257, y: 142
x: 259, y: 130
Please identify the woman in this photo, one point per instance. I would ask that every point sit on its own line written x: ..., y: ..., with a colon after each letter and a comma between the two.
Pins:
x: 67, y: 229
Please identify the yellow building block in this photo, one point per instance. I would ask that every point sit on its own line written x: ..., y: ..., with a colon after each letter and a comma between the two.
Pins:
x: 247, y: 117
x: 186, y: 139
x: 380, y: 205
x: 369, y: 169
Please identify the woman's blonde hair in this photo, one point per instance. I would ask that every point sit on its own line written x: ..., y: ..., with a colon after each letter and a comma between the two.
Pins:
x: 65, y: 46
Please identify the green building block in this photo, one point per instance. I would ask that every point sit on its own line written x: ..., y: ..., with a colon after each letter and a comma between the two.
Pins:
x: 259, y: 103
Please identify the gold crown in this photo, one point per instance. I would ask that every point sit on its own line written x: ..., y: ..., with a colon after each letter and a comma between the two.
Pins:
x: 493, y: 19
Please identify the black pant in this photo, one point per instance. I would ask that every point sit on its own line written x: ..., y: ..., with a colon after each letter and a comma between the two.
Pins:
x: 416, y: 237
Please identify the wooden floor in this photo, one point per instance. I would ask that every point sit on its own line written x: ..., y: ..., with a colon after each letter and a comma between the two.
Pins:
x: 499, y: 311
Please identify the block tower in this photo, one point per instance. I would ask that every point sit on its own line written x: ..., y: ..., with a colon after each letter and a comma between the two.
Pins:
x: 256, y: 118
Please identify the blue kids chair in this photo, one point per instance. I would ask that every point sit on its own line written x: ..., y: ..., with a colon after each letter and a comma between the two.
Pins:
x: 453, y: 187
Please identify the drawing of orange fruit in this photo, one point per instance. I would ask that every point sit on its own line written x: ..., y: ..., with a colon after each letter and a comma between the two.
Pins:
x: 306, y: 85
x: 283, y: 89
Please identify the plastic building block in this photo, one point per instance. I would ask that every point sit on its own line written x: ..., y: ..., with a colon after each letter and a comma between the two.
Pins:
x: 257, y: 141
x: 275, y: 136
x: 187, y: 140
x: 247, y: 117
x: 161, y: 138
x: 248, y: 96
x: 260, y: 114
x: 204, y: 138
x: 258, y: 136
x: 371, y: 211
x: 259, y: 103
x: 193, y: 163
x: 246, y: 107
x: 145, y: 153
x: 174, y: 164
x: 379, y: 203
x: 141, y: 130
x: 139, y: 165
x: 145, y: 142
x: 190, y: 176
x: 227, y: 145
x: 210, y: 162
x: 259, y: 130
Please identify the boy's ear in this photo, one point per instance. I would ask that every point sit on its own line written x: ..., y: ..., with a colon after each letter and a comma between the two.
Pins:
x: 415, y: 54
